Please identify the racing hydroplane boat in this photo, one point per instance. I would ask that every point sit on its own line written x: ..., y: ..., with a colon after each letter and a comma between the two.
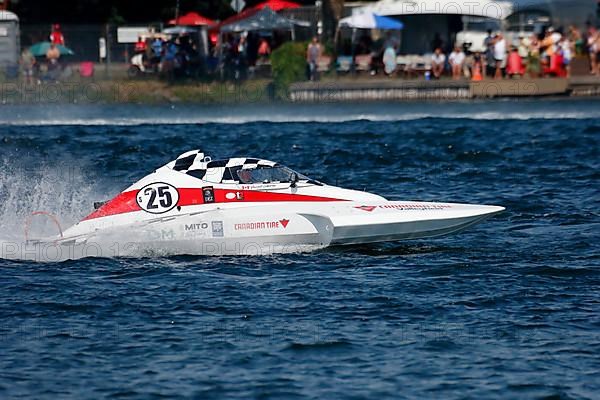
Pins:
x: 196, y: 205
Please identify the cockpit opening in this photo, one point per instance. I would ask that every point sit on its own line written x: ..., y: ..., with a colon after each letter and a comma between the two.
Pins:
x: 268, y: 174
x: 237, y: 170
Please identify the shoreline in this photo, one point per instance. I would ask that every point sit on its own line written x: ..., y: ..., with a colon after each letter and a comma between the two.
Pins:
x: 264, y: 91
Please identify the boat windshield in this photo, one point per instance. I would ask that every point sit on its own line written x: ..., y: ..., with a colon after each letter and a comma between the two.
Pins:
x: 268, y: 174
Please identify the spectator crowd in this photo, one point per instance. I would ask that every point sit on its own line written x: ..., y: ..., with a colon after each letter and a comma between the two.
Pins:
x: 504, y: 55
x: 170, y: 57
x: 46, y: 66
x: 548, y: 54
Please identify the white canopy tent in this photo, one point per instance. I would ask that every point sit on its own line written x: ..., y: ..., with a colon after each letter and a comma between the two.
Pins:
x: 367, y: 20
x: 480, y: 8
x: 434, y: 21
x: 370, y: 21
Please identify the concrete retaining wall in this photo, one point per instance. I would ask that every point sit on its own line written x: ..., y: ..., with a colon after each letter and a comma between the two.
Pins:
x: 386, y: 90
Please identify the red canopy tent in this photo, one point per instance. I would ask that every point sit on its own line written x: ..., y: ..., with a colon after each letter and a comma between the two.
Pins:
x: 191, y: 19
x: 276, y: 5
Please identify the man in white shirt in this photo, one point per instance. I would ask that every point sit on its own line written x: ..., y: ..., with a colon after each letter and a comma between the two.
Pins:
x: 499, y: 54
x: 438, y: 60
x: 457, y: 60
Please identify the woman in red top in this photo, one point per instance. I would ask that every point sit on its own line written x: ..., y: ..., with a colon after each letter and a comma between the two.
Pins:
x: 514, y: 64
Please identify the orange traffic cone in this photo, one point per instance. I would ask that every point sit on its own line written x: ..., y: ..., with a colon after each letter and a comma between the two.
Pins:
x: 477, y: 73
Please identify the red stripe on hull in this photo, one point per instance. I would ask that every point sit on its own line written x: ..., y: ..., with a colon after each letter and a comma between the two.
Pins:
x: 126, y: 202
x: 121, y: 203
x: 256, y: 196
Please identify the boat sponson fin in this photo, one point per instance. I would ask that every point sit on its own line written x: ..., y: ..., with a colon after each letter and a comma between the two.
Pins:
x: 323, y: 225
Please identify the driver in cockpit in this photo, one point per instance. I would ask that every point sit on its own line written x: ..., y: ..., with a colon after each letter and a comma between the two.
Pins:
x: 245, y: 175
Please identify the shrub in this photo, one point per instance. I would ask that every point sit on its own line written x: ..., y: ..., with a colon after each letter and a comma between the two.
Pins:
x: 288, y: 63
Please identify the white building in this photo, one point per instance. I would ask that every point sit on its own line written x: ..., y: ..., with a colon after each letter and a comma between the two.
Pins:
x: 9, y: 38
x: 429, y: 22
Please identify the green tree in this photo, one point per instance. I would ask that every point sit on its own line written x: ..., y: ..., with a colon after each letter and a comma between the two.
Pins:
x: 332, y: 12
x: 288, y: 62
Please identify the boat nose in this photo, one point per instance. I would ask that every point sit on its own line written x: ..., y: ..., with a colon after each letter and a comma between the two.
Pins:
x: 494, y: 209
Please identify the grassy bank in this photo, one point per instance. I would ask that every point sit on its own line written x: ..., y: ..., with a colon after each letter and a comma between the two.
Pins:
x: 136, y: 91
x: 358, y: 89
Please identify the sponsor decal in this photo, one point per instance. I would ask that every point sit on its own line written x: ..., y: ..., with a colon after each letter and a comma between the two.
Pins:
x: 195, y: 227
x: 257, y: 186
x: 251, y: 226
x: 209, y: 194
x: 195, y: 230
x: 157, y: 197
x: 234, y: 196
x: 160, y: 234
x: 366, y: 208
x: 217, y: 228
x: 406, y: 207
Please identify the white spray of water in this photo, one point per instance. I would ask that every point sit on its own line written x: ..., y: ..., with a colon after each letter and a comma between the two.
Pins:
x: 61, y: 190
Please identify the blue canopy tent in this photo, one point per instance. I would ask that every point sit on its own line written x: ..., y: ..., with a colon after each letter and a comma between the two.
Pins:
x: 368, y: 20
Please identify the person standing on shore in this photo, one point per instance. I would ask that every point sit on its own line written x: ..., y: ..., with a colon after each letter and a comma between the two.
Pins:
x: 534, y: 67
x: 52, y: 56
x: 565, y: 48
x: 264, y: 50
x: 27, y: 62
x: 157, y: 50
x: 313, y: 53
x: 169, y: 59
x: 241, y: 59
x: 499, y: 54
x: 593, y: 49
x: 490, y: 63
x: 576, y: 39
x: 389, y: 60
x: 597, y: 52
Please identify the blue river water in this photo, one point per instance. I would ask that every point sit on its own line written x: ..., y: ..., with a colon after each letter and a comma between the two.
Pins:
x: 507, y: 309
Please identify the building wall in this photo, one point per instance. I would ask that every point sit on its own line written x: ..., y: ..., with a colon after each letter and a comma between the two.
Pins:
x: 563, y: 12
x: 9, y: 43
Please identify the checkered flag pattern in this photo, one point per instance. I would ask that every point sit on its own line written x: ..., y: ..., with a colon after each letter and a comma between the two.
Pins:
x: 186, y: 160
x: 218, y: 171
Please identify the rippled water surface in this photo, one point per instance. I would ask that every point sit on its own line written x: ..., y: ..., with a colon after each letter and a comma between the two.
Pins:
x: 508, y: 309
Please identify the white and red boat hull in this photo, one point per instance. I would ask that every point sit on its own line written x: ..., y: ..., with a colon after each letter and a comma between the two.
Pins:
x: 175, y: 211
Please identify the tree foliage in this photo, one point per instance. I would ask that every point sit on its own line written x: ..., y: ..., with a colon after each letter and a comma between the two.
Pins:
x: 132, y: 11
x: 288, y: 63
